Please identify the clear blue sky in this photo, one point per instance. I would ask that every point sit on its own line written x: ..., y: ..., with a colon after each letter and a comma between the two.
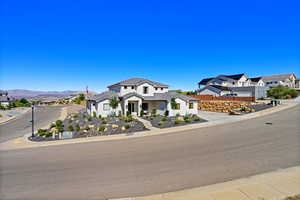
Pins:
x: 67, y: 45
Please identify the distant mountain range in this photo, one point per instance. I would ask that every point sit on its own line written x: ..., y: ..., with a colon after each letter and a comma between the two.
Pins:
x: 20, y: 93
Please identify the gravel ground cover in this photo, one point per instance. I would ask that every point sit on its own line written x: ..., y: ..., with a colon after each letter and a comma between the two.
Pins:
x: 83, y: 125
x: 166, y: 122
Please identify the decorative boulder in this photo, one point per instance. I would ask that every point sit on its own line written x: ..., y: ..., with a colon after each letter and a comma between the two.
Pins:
x: 114, y: 126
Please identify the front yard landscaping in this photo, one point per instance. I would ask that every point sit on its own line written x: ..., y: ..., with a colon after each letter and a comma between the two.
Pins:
x: 83, y: 125
x: 160, y: 121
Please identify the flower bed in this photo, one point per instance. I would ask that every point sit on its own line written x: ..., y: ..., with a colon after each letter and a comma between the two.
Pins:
x: 83, y: 125
x: 165, y: 122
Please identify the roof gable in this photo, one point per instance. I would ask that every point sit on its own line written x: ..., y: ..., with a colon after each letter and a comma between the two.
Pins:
x: 137, y: 82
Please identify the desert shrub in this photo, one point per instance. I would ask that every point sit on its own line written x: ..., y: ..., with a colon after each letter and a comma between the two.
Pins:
x: 142, y: 113
x: 188, y: 120
x: 186, y: 117
x: 70, y: 128
x: 127, y: 126
x: 104, y: 121
x: 127, y: 113
x: 99, y: 116
x: 58, y: 123
x: 177, y: 115
x: 164, y: 119
x: 160, y: 123
x: 177, y: 121
x: 101, y: 128
x: 89, y: 118
x: 1, y: 115
x: 94, y: 114
x: 77, y: 127
x: 87, y: 128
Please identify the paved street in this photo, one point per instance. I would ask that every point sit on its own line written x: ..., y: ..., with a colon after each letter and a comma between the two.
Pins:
x: 154, y: 164
x: 20, y: 126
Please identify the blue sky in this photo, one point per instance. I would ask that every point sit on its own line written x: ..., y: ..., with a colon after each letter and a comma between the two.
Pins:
x: 67, y: 45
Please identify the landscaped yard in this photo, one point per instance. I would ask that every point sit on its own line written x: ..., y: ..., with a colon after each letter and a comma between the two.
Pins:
x: 83, y: 125
x: 160, y: 121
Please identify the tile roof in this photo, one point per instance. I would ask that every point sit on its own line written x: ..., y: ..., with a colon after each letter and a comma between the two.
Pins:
x: 277, y: 77
x: 222, y: 78
x: 256, y: 79
x: 103, y: 96
x: 138, y: 81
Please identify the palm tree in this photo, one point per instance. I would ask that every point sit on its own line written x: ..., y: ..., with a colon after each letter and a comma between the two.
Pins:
x: 114, y: 102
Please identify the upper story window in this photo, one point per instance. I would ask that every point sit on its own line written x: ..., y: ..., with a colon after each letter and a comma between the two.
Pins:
x: 132, y: 87
x: 191, y: 105
x: 156, y: 88
x: 125, y: 87
x: 161, y: 88
x: 145, y: 90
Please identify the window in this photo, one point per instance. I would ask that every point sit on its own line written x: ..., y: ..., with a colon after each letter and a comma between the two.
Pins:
x: 145, y: 90
x: 156, y: 88
x: 161, y: 88
x: 191, y: 105
x: 177, y: 107
x: 125, y: 87
x: 132, y: 87
x: 106, y: 106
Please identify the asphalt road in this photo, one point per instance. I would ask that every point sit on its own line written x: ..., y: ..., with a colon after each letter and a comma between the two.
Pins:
x: 21, y: 126
x: 154, y: 164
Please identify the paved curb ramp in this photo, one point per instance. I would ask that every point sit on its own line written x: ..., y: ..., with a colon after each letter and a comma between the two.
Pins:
x: 275, y: 185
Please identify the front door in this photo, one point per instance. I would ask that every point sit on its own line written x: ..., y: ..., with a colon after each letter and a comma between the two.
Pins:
x: 145, y: 106
x: 131, y: 107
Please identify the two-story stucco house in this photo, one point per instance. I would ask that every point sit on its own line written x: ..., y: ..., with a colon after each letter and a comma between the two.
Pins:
x: 138, y: 94
x: 235, y: 80
x: 287, y: 80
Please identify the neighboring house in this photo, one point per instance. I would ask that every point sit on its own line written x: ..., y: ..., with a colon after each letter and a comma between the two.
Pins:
x: 287, y: 80
x: 297, y: 84
x: 5, y: 100
x: 247, y: 91
x: 236, y: 80
x: 257, y: 81
x: 138, y: 94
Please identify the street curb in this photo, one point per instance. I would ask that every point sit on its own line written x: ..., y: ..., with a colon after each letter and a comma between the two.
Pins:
x: 23, y: 142
x: 261, y: 184
x: 10, y: 119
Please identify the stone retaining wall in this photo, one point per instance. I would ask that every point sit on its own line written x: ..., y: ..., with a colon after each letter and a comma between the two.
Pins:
x: 222, y: 106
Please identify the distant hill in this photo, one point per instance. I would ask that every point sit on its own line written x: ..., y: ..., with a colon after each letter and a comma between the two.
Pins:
x: 20, y: 93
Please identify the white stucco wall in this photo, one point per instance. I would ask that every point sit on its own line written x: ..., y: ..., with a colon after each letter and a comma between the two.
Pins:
x: 243, y: 81
x: 123, y: 90
x: 99, y: 108
x: 184, y: 108
x: 139, y: 105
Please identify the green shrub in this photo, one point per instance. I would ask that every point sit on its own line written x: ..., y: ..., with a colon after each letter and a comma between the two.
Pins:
x: 1, y: 115
x: 177, y: 121
x: 77, y: 128
x: 160, y: 123
x: 127, y: 113
x: 99, y: 116
x: 164, y: 119
x: 127, y: 126
x: 186, y: 117
x: 166, y: 113
x: 58, y: 123
x: 89, y: 118
x: 282, y: 92
x: 94, y: 114
x: 188, y: 120
x: 70, y: 128
x: 87, y: 128
x: 101, y: 128
x: 104, y: 121
x: 142, y: 113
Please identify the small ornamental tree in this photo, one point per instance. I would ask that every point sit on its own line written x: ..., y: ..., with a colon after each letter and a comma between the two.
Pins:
x: 114, y: 102
x: 173, y: 103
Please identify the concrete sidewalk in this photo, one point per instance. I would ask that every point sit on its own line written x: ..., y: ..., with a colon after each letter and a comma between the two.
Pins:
x: 275, y: 185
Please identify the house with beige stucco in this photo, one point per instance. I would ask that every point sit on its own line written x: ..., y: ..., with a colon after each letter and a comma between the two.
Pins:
x: 138, y: 95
